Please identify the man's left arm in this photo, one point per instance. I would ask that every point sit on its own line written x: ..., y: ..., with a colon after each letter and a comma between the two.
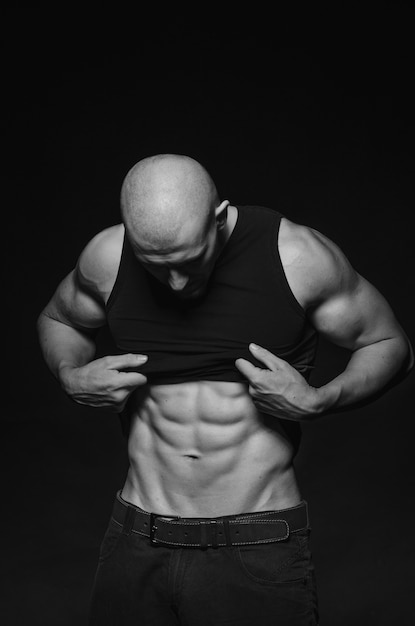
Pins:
x: 348, y: 311
x: 361, y: 320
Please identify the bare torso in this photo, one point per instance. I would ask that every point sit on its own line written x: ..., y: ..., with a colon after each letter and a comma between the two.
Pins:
x: 203, y: 449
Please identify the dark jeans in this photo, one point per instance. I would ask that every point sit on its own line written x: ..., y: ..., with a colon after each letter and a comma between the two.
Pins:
x: 138, y: 583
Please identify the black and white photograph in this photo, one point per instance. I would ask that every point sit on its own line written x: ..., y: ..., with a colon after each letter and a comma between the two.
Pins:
x: 208, y: 294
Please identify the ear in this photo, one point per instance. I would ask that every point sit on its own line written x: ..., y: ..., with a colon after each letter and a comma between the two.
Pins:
x: 221, y: 214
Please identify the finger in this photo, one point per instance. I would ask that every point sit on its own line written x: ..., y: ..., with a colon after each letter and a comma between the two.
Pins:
x: 247, y: 369
x: 266, y: 357
x: 131, y: 380
x: 126, y: 361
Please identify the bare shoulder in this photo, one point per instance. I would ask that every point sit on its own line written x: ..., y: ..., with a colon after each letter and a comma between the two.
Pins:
x: 315, y: 266
x: 99, y: 261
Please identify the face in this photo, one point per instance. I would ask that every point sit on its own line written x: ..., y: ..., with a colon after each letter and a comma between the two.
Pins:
x: 186, y: 269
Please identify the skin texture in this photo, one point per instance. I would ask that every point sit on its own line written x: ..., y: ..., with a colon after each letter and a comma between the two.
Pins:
x: 210, y: 448
x: 161, y: 204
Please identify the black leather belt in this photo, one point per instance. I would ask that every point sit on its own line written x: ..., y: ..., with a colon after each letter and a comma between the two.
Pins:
x: 230, y: 530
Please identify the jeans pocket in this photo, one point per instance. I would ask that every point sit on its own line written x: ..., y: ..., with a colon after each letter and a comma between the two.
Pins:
x: 110, y: 541
x: 281, y: 562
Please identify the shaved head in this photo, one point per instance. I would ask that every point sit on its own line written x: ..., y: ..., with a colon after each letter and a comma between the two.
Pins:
x: 165, y: 198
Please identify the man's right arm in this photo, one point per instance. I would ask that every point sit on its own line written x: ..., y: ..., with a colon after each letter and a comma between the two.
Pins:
x: 67, y: 328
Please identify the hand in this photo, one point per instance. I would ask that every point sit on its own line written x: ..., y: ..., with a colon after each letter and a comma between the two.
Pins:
x: 280, y: 390
x: 106, y: 382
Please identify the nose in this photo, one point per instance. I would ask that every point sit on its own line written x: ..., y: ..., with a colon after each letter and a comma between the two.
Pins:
x: 177, y: 281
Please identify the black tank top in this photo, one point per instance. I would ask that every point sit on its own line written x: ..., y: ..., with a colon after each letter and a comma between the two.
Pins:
x: 248, y: 300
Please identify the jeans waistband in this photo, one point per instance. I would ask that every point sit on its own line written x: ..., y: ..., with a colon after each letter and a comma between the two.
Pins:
x: 214, y: 532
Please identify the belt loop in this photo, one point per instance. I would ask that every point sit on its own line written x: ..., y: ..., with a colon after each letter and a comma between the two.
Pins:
x: 203, y: 535
x: 227, y: 532
x: 128, y: 521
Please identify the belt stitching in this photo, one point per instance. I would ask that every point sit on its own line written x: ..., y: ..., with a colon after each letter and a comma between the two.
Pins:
x: 231, y: 522
x: 196, y: 545
x: 179, y: 523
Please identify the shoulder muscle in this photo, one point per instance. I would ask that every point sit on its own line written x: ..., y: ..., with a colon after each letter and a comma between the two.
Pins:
x: 315, y: 266
x: 98, y: 263
x: 342, y: 305
x: 80, y: 298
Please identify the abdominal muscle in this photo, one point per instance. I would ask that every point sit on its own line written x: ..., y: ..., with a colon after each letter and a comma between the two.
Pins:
x: 201, y: 449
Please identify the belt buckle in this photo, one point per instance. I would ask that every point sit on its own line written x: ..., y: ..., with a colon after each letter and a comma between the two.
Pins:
x: 153, y: 527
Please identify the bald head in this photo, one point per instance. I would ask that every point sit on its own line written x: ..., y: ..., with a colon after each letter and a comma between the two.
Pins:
x: 165, y: 198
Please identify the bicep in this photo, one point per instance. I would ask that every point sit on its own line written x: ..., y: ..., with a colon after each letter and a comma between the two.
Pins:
x: 356, y: 315
x: 74, y: 305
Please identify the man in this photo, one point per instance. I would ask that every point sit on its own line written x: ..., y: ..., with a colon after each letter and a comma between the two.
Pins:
x: 215, y: 311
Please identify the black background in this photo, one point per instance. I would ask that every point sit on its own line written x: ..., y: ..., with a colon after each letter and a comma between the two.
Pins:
x: 319, y: 127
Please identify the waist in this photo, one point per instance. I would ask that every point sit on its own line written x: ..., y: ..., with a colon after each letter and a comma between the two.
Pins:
x: 211, y: 532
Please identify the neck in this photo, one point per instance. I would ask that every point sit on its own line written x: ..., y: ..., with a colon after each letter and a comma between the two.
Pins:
x: 227, y: 230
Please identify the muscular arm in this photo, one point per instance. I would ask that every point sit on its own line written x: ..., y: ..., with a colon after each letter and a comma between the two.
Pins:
x: 68, y: 323
x: 66, y: 326
x: 351, y: 313
x: 348, y: 311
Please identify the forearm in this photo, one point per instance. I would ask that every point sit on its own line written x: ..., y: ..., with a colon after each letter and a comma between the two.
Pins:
x: 370, y: 371
x: 62, y: 345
